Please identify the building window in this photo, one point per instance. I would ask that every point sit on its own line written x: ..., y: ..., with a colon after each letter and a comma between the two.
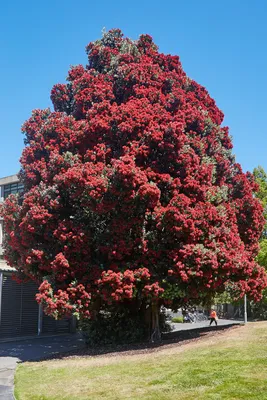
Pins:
x: 12, y: 188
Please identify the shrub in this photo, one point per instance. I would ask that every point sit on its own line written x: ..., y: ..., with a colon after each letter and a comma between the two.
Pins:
x: 118, y: 327
x: 177, y: 320
x: 113, y: 328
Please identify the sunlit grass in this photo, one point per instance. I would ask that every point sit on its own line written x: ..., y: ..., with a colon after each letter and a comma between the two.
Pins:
x: 230, y: 366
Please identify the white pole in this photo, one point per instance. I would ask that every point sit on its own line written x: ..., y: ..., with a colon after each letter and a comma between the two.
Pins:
x: 40, y: 320
x: 245, y: 309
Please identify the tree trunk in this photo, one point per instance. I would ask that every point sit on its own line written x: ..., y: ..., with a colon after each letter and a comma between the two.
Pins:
x: 155, y: 329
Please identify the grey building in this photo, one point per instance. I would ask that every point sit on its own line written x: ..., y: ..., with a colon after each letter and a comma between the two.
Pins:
x: 20, y: 315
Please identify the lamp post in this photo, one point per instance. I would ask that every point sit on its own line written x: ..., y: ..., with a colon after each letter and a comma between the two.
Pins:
x: 245, y: 310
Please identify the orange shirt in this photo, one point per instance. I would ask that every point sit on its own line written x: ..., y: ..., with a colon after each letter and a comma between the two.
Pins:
x: 213, y: 314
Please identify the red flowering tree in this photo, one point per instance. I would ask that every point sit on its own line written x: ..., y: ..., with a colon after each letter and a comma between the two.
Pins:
x: 132, y: 194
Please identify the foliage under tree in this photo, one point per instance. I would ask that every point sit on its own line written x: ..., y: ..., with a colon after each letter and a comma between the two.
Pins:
x: 132, y: 194
x: 259, y: 309
x: 260, y: 177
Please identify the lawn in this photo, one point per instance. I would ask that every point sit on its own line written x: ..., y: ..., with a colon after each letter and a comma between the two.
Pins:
x: 231, y: 365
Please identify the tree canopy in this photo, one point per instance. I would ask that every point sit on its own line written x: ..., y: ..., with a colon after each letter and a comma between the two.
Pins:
x: 132, y: 193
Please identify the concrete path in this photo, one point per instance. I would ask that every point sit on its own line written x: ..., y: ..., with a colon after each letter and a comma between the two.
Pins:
x: 203, y: 324
x: 7, y: 371
x: 29, y: 350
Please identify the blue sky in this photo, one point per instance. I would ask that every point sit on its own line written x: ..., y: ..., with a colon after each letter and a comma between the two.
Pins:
x: 222, y: 45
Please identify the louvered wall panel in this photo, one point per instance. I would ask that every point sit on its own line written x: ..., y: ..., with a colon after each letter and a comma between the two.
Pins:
x: 63, y: 325
x: 30, y: 308
x: 49, y: 324
x: 19, y: 310
x: 11, y: 308
x: 52, y: 326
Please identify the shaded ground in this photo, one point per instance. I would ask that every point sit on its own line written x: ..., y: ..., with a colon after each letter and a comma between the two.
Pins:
x: 39, y: 348
x: 171, y: 339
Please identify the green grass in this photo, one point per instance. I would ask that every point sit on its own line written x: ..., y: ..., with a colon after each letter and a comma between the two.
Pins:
x: 229, y: 366
x: 178, y: 319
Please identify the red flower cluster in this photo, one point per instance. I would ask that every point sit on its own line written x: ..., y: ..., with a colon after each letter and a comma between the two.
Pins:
x: 131, y: 188
x: 116, y: 286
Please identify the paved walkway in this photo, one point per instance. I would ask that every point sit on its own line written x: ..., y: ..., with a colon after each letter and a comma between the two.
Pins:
x: 204, y: 324
x: 29, y: 350
x: 7, y: 371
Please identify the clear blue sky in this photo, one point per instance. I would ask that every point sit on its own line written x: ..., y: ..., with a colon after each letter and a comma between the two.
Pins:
x: 222, y: 45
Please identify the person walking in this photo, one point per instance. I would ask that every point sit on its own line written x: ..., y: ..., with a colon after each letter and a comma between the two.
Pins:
x: 213, y: 317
